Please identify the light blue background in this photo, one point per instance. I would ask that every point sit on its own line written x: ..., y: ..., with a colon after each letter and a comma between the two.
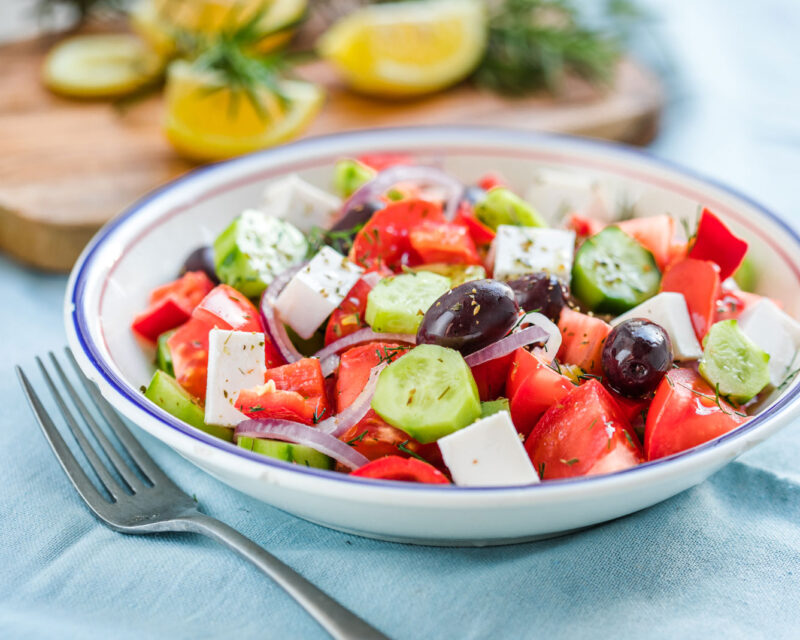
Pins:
x: 720, y: 560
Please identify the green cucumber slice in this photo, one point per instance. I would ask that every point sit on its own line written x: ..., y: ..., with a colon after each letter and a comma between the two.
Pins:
x: 163, y: 354
x: 429, y: 392
x: 166, y: 393
x: 490, y: 407
x: 503, y: 206
x: 733, y: 363
x: 349, y: 175
x: 457, y: 273
x: 397, y: 304
x: 746, y: 276
x: 297, y: 453
x: 254, y: 249
x: 613, y: 273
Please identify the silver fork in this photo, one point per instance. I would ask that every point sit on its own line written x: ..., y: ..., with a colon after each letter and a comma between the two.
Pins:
x: 149, y: 502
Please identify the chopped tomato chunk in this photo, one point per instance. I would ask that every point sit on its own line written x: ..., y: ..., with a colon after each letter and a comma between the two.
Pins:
x: 355, y: 366
x: 401, y: 469
x: 582, y: 340
x: 444, y: 242
x: 654, y: 233
x: 698, y: 281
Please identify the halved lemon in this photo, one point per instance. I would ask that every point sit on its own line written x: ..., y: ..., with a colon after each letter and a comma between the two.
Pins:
x: 101, y: 66
x: 408, y: 48
x: 159, y: 21
x: 208, y: 120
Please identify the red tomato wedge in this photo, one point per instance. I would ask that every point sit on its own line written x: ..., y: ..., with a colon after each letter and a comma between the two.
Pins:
x: 532, y: 388
x: 172, y: 304
x: 385, y: 238
x: 698, y: 281
x: 491, y: 377
x: 582, y: 340
x: 631, y: 408
x: 654, y: 234
x: 732, y: 303
x: 401, y: 469
x: 480, y: 233
x: 444, y: 242
x: 584, y: 226
x: 222, y: 308
x: 584, y: 434
x: 303, y: 376
x: 381, y: 161
x: 355, y: 366
x: 685, y: 413
x: 491, y: 180
x: 715, y: 242
x: 265, y: 402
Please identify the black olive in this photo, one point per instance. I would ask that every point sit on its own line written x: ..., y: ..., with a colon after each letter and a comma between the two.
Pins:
x: 469, y: 317
x: 636, y: 356
x: 201, y: 259
x: 540, y: 292
x: 346, y: 228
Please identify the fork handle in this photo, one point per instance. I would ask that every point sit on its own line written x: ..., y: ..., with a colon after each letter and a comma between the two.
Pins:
x: 341, y: 623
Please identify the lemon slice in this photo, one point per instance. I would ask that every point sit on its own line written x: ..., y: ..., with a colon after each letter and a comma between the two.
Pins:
x: 158, y: 21
x: 101, y: 66
x: 409, y: 48
x: 207, y: 120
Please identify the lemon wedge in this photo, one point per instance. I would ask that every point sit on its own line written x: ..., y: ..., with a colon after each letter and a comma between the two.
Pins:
x: 208, y: 120
x: 408, y: 48
x: 158, y: 21
x: 101, y: 66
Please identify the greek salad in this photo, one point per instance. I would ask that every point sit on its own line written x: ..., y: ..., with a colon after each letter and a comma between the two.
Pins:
x: 405, y: 326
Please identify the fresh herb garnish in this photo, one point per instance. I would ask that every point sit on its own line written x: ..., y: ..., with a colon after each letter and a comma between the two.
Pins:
x: 570, y: 462
x: 358, y: 438
x: 318, y: 416
x: 402, y: 446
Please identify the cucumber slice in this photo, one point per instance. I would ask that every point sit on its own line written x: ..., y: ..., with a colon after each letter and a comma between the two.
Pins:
x: 429, y: 392
x: 349, y: 175
x: 166, y: 393
x: 457, y: 273
x: 746, y: 275
x: 163, y: 354
x: 491, y: 407
x: 502, y: 206
x: 613, y: 273
x: 297, y: 453
x: 733, y: 363
x: 254, y: 249
x: 398, y: 304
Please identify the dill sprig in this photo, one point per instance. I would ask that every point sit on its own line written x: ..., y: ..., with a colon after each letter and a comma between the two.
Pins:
x: 535, y: 44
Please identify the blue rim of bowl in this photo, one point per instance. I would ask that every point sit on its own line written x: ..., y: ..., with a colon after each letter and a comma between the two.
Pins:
x: 129, y: 393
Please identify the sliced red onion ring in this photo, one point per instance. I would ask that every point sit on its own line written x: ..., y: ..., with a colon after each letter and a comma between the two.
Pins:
x: 387, y: 178
x: 328, y: 359
x: 302, y: 434
x: 274, y: 326
x: 507, y: 345
x: 338, y: 424
x: 550, y: 348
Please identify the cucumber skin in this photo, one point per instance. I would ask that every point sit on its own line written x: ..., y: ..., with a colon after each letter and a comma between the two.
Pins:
x: 746, y: 276
x: 584, y: 283
x: 503, y: 206
x: 722, y: 336
x: 165, y: 392
x: 385, y: 314
x: 288, y: 452
x: 427, y: 427
x: 349, y: 175
x: 163, y: 354
x: 490, y: 407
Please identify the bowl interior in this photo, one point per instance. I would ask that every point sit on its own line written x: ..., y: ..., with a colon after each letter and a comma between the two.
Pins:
x: 146, y: 245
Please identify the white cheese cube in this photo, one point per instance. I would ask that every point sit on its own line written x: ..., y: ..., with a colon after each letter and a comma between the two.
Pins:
x: 776, y: 333
x: 235, y: 362
x: 316, y: 290
x: 555, y: 193
x: 487, y: 453
x: 520, y: 250
x: 301, y: 203
x: 668, y: 309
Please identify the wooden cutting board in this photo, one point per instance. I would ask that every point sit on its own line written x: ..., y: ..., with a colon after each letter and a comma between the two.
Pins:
x: 66, y: 166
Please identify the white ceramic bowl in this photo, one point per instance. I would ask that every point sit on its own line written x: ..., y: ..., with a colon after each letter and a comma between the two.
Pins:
x: 145, y: 246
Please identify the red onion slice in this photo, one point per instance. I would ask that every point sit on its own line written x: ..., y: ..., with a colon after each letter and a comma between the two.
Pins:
x: 507, y: 345
x: 338, y: 424
x: 387, y: 178
x: 274, y: 326
x: 329, y: 360
x: 302, y: 434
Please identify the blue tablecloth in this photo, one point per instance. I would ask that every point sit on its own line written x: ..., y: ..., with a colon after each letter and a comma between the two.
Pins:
x: 720, y: 560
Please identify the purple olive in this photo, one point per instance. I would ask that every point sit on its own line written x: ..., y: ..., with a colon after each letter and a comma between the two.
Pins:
x: 470, y: 317
x: 201, y: 259
x: 636, y: 356
x: 540, y: 292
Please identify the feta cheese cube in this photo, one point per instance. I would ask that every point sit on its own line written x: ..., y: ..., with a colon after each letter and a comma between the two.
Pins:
x: 776, y: 333
x: 235, y: 361
x: 555, y: 193
x: 487, y: 453
x: 520, y: 250
x: 668, y: 309
x: 300, y: 203
x: 316, y: 290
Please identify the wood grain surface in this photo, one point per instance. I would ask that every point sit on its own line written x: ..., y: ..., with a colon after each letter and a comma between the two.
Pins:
x: 66, y: 167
